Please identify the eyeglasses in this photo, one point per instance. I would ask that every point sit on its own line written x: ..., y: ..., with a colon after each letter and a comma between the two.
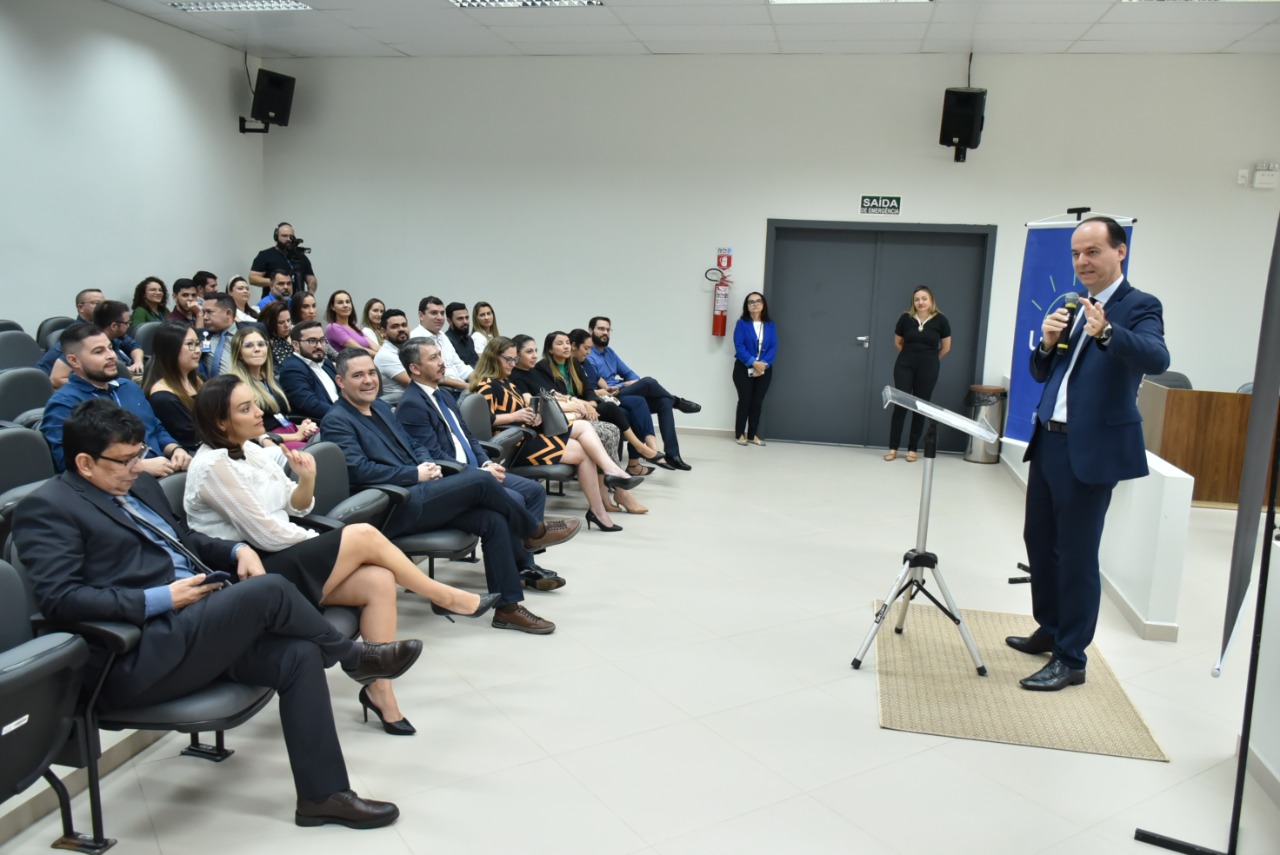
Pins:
x: 310, y: 340
x: 510, y: 360
x: 754, y: 302
x: 253, y: 345
x: 191, y: 345
x: 127, y: 462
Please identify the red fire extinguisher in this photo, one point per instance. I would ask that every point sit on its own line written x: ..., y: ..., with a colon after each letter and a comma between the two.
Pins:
x: 720, y: 302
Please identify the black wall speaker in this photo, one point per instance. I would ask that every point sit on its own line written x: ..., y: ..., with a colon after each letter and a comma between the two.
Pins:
x: 962, y: 117
x: 272, y: 98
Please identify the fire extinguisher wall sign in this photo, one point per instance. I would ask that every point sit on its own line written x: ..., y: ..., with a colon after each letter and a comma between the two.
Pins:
x: 720, y: 302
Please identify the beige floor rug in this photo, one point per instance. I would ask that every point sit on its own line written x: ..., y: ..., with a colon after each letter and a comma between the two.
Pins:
x: 928, y: 684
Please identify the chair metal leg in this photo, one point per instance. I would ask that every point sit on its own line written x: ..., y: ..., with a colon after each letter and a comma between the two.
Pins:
x: 72, y: 840
x: 216, y: 752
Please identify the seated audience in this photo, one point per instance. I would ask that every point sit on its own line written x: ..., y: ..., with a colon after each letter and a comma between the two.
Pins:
x: 459, y: 333
x: 219, y: 329
x: 307, y: 377
x: 618, y: 379
x: 150, y: 302
x: 101, y: 544
x: 378, y: 451
x: 238, y: 288
x: 431, y: 323
x: 186, y: 304
x: 173, y: 379
x: 342, y: 329
x: 579, y: 446
x: 251, y: 362
x: 434, y: 422
x: 371, y: 318
x: 279, y: 322
x: 206, y: 283
x: 486, y: 326
x: 279, y: 290
x: 86, y: 301
x: 303, y: 306
x: 639, y: 417
x: 94, y: 374
x: 112, y: 317
x: 395, y: 332
x: 237, y: 490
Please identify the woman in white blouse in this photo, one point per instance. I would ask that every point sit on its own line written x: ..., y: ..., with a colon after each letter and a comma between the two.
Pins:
x: 238, y: 490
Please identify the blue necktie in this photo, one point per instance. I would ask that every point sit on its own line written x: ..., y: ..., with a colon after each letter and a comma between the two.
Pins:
x: 1049, y: 399
x: 457, y: 431
x: 185, y: 562
x: 215, y: 367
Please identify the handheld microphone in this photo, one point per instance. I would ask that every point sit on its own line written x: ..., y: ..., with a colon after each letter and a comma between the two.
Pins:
x: 1071, y: 301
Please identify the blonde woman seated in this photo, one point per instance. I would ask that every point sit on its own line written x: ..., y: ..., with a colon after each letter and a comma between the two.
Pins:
x: 579, y: 446
x: 251, y: 362
x: 238, y: 490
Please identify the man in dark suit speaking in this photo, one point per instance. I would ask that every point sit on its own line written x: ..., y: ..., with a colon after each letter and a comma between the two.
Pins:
x: 102, y: 545
x: 1088, y: 437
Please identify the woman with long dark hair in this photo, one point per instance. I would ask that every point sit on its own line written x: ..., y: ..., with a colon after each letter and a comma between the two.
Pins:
x: 173, y: 379
x: 303, y: 306
x: 755, y: 344
x: 238, y: 490
x: 238, y: 288
x: 342, y: 331
x: 276, y: 318
x: 150, y: 302
x: 923, y: 337
x: 371, y: 319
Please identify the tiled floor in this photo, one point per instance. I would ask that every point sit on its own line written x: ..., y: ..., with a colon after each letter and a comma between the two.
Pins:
x: 697, y: 697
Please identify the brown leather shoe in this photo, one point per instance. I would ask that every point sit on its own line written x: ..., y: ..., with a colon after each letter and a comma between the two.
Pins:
x: 345, y: 808
x: 384, y: 661
x: 552, y: 533
x: 516, y: 616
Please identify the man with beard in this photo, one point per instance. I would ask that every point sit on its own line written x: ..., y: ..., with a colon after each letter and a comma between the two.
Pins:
x: 459, y: 333
x: 307, y: 377
x: 636, y: 393
x: 279, y: 288
x: 206, y: 284
x: 431, y: 323
x: 94, y: 374
x: 186, y: 304
x: 395, y: 332
x: 284, y: 256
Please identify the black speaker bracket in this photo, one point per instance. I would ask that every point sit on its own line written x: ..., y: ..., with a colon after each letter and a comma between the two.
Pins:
x: 245, y: 129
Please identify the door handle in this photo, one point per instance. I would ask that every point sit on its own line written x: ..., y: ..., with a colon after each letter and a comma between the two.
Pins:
x: 864, y: 340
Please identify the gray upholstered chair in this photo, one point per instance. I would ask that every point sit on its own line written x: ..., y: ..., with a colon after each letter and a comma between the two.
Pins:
x: 18, y: 350
x: 49, y: 330
x: 144, y: 334
x: 23, y: 394
x: 475, y: 411
x: 6, y: 325
x: 27, y: 465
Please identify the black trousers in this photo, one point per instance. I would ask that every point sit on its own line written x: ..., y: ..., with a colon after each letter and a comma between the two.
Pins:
x: 751, y: 392
x: 916, y: 374
x: 261, y: 632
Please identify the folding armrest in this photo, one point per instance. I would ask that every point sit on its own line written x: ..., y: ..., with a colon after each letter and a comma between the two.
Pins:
x: 365, y: 506
x: 451, y: 467
x: 397, y: 494
x: 319, y: 522
x: 116, y: 636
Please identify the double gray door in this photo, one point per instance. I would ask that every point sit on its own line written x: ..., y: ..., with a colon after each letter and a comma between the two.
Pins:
x: 836, y: 291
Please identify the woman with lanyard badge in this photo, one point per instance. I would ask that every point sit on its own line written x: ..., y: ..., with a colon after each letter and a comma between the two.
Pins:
x: 755, y: 344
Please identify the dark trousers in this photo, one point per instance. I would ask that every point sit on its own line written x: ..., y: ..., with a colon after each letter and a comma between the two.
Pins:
x: 916, y: 374
x: 1062, y: 532
x: 658, y: 401
x: 532, y: 497
x: 751, y: 392
x: 261, y: 632
x: 474, y: 502
x: 617, y: 416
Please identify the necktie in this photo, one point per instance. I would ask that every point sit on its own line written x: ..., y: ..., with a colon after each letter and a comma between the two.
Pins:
x: 149, y: 527
x: 215, y: 367
x: 457, y: 432
x: 1049, y: 399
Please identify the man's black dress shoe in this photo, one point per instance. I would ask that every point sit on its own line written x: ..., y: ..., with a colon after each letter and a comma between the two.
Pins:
x: 678, y: 462
x: 1032, y: 644
x: 385, y: 661
x: 541, y: 579
x: 684, y: 405
x: 1053, y: 677
x: 345, y: 808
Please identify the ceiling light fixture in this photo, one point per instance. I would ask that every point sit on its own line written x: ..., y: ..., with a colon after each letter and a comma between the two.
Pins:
x: 244, y: 6
x: 519, y: 4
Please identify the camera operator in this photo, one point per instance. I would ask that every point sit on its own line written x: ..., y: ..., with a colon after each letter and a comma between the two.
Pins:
x: 288, y: 255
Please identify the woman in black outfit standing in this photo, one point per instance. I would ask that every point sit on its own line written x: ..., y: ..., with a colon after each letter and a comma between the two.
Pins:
x: 923, y: 337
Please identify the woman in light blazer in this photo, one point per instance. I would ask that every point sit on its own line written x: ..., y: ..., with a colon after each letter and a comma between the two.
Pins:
x: 755, y: 344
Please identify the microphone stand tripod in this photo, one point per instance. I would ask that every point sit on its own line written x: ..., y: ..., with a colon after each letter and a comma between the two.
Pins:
x: 911, y: 580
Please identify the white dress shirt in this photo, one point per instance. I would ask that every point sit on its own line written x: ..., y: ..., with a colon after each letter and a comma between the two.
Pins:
x: 459, y: 453
x: 245, y: 499
x: 453, y: 365
x: 1060, y: 405
x: 325, y: 380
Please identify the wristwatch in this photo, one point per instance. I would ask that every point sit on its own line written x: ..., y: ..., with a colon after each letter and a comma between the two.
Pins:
x: 1104, y: 337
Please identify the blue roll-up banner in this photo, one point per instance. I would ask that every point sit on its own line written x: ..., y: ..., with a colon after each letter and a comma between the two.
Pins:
x: 1047, y: 277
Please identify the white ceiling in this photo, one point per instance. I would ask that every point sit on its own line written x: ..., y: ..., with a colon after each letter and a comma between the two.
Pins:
x: 622, y: 27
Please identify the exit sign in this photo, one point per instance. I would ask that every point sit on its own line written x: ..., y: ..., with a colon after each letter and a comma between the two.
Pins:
x: 886, y: 205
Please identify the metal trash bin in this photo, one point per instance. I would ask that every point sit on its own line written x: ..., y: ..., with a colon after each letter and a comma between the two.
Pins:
x: 987, y: 403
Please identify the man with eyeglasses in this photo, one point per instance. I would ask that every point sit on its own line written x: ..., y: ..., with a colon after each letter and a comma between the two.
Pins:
x: 101, y: 543
x: 112, y: 317
x: 95, y: 374
x: 307, y: 377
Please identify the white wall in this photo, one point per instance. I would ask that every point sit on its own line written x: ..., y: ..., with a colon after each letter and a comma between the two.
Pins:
x: 561, y: 187
x: 120, y: 156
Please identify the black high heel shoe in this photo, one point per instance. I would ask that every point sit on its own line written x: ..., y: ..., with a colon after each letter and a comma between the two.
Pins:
x: 395, y: 728
x: 487, y: 602
x: 592, y: 518
x: 630, y: 483
x: 657, y: 455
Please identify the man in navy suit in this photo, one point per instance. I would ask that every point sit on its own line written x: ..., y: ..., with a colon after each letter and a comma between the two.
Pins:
x: 378, y: 451
x: 1088, y: 437
x: 436, y: 423
x: 307, y: 377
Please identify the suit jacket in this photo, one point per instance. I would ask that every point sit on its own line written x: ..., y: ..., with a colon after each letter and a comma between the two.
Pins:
x: 373, y: 456
x: 421, y: 421
x: 744, y: 343
x: 1105, y: 430
x: 87, y: 560
x: 307, y: 395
